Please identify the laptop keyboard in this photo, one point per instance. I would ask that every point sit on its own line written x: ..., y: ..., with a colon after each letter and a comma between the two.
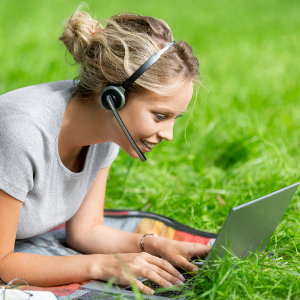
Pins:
x: 167, y: 292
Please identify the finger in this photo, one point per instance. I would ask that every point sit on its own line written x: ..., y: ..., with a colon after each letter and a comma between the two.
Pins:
x: 167, y: 270
x: 206, y: 248
x: 143, y: 288
x: 202, y: 249
x: 161, y: 277
x: 187, y: 266
x: 198, y: 250
x: 157, y: 278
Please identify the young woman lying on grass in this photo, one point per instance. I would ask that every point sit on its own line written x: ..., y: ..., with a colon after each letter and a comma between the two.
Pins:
x: 57, y: 144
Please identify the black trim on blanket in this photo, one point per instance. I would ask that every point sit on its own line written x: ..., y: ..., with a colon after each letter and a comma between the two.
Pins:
x: 166, y: 220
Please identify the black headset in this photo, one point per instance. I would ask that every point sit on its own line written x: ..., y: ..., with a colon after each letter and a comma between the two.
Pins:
x: 113, y: 97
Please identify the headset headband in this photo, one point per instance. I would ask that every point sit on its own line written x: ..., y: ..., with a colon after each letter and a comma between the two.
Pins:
x: 145, y: 67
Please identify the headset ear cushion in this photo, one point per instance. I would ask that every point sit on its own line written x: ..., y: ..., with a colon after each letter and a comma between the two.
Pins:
x: 117, y: 93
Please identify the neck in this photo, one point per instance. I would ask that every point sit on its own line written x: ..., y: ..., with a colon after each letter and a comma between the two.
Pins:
x: 84, y: 123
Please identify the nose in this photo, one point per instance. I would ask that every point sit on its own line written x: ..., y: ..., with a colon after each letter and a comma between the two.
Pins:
x: 166, y: 132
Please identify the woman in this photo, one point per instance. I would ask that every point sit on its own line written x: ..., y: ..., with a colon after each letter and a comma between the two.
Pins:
x: 57, y: 144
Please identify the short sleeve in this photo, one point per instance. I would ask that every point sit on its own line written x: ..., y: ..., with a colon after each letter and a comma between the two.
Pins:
x: 22, y: 154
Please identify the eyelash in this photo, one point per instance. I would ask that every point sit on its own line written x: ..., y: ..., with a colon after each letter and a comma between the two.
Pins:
x: 162, y: 117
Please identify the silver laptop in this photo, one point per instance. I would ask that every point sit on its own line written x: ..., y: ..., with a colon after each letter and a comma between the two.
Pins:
x: 247, y: 229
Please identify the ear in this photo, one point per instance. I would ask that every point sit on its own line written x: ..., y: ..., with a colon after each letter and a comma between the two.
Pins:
x: 118, y: 96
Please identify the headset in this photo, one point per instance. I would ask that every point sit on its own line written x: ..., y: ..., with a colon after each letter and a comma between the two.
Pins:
x: 113, y: 97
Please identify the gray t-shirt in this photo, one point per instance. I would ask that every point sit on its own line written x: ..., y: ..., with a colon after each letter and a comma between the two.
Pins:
x: 30, y: 166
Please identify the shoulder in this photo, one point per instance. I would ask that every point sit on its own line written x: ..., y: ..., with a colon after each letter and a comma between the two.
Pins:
x: 25, y: 149
x: 21, y: 130
x: 42, y: 89
x: 24, y: 138
x: 44, y: 102
x: 48, y: 87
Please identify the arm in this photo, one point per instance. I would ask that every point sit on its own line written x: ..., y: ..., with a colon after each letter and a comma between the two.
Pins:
x: 87, y: 233
x: 43, y: 270
x: 35, y: 269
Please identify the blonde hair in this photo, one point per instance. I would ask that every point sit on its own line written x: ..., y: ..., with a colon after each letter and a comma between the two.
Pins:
x: 111, y: 54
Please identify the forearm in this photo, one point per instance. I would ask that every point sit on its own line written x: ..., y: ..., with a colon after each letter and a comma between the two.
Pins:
x: 42, y: 270
x: 107, y: 240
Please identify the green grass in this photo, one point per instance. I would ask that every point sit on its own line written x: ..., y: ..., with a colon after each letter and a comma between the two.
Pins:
x: 242, y: 140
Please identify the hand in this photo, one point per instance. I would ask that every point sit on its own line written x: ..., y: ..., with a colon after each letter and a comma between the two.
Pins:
x: 121, y: 266
x: 175, y: 252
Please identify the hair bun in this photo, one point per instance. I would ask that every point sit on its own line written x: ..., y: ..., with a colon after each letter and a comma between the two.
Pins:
x: 77, y: 35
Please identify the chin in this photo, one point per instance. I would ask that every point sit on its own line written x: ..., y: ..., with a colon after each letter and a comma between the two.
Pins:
x: 131, y: 152
x: 134, y: 155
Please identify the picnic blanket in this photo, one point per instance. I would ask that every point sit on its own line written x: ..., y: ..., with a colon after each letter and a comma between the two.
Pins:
x: 54, y: 243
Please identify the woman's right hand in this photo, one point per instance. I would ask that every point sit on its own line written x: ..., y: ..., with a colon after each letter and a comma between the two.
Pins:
x: 121, y: 266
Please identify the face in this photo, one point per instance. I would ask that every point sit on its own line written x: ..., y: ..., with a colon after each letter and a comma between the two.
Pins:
x: 150, y: 119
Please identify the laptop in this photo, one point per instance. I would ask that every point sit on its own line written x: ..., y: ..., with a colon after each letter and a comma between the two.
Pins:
x: 247, y: 229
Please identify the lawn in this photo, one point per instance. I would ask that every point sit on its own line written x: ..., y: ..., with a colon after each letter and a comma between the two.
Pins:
x: 238, y: 141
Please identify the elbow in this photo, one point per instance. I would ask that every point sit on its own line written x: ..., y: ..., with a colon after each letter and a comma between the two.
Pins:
x: 4, y: 276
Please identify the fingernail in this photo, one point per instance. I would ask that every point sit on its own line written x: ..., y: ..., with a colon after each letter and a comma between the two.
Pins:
x: 151, y: 292
x: 168, y: 284
x: 195, y: 269
x: 179, y: 282
x: 181, y: 277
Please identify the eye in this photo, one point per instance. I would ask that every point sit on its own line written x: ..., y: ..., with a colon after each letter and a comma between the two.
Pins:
x: 160, y: 117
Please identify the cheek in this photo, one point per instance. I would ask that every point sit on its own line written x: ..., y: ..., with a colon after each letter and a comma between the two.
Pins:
x: 140, y: 124
x: 144, y: 126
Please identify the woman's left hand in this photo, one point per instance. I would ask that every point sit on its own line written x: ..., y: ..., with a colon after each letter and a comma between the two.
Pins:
x: 175, y: 252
